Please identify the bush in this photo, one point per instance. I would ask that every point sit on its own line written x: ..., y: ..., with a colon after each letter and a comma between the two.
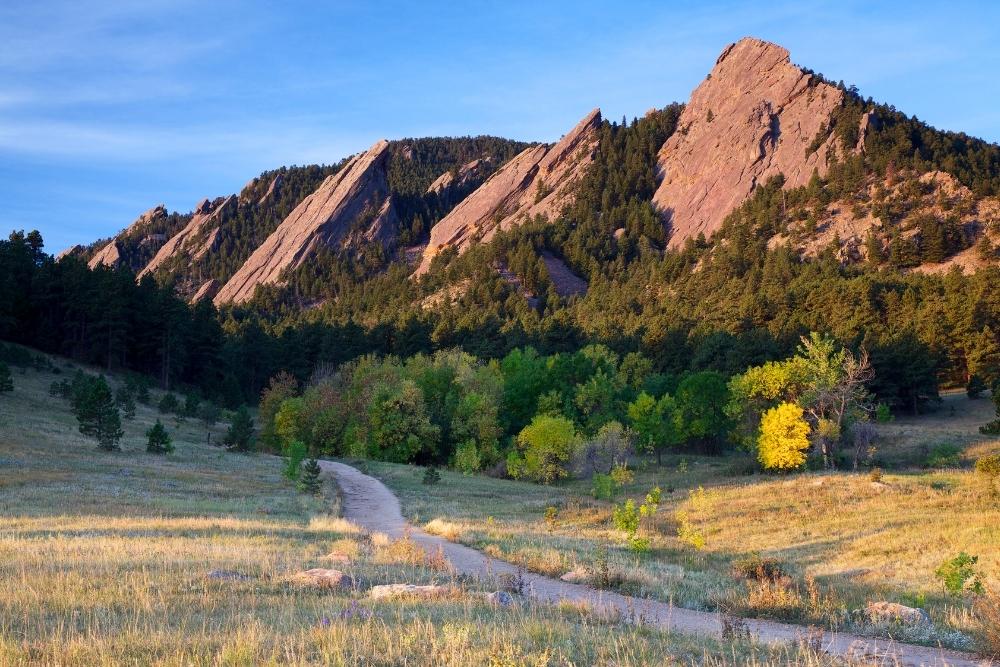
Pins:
x: 603, y: 487
x: 944, y: 455
x: 611, y: 447
x: 158, y: 440
x: 988, y: 611
x: 757, y: 568
x: 295, y: 453
x: 543, y: 448
x: 883, y: 415
x: 959, y: 575
x: 467, y: 458
x: 628, y: 519
x: 431, y: 475
x: 168, y: 404
x: 989, y: 465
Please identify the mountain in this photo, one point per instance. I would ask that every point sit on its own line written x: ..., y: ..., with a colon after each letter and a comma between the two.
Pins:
x: 538, y: 182
x: 755, y: 116
x: 349, y: 208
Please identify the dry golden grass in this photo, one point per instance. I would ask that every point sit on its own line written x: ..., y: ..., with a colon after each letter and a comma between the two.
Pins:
x: 129, y: 558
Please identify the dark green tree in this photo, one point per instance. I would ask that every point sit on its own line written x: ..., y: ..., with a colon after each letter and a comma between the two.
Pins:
x: 158, y: 440
x: 6, y: 382
x: 239, y: 437
x: 309, y: 478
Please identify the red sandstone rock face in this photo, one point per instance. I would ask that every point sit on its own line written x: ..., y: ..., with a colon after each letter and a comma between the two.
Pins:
x: 539, y: 181
x: 109, y: 255
x: 198, y: 236
x: 754, y: 117
x: 327, y: 217
x: 466, y: 175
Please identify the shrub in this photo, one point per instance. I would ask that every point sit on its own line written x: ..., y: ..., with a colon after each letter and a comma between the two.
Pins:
x: 295, y: 453
x: 603, y: 487
x: 628, y: 519
x: 784, y: 438
x: 988, y: 610
x: 191, y: 403
x: 757, y: 568
x: 959, y: 574
x: 551, y: 516
x: 944, y: 455
x: 158, y: 440
x: 611, y: 447
x: 883, y: 415
x: 543, y: 448
x: 989, y: 467
x: 875, y: 475
x: 209, y: 413
x: 688, y: 533
x: 168, y: 404
x: 431, y: 475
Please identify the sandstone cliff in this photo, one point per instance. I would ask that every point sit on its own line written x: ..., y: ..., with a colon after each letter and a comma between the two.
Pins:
x: 351, y: 206
x: 110, y: 254
x: 466, y: 175
x: 198, y: 237
x: 755, y: 116
x: 539, y: 181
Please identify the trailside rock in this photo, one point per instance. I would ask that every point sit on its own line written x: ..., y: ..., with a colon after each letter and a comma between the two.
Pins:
x: 756, y: 115
x: 324, y: 578
x: 110, y: 255
x: 538, y: 181
x: 893, y: 612
x: 326, y: 218
x: 198, y: 237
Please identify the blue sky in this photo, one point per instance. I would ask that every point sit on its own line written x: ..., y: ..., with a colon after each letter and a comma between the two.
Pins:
x: 108, y: 108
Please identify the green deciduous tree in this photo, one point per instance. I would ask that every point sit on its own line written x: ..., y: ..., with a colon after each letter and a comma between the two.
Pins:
x: 544, y: 447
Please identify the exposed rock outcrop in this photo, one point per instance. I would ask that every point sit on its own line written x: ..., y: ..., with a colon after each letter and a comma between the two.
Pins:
x: 206, y: 290
x: 755, y: 116
x: 198, y: 236
x: 467, y: 174
x: 110, y: 254
x: 565, y: 282
x: 71, y: 251
x: 539, y: 181
x: 352, y: 206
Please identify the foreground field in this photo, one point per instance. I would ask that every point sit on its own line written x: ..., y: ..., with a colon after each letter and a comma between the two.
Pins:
x: 843, y: 539
x: 189, y: 559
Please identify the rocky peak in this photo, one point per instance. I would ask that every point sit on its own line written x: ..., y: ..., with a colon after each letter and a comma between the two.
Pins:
x: 326, y: 218
x: 198, y: 236
x: 756, y: 115
x: 538, y: 181
x: 110, y: 254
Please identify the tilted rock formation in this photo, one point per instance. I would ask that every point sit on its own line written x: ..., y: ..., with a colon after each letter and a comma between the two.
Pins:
x: 207, y: 289
x: 110, y: 255
x: 539, y: 181
x: 71, y: 251
x: 198, y: 236
x: 466, y: 174
x: 755, y: 116
x: 351, y: 206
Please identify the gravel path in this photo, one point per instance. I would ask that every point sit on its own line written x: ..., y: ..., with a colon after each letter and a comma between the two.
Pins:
x: 368, y: 503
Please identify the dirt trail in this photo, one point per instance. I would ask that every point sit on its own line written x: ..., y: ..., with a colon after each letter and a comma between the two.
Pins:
x: 368, y: 503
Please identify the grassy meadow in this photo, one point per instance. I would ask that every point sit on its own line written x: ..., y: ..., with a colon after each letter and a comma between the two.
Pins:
x: 129, y: 558
x: 841, y: 539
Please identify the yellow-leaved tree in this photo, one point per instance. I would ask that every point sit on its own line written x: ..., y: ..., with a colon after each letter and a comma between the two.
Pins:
x: 784, y: 438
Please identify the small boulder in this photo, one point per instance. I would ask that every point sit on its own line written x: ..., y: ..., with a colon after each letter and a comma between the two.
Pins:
x: 893, y: 612
x: 338, y: 557
x: 577, y: 575
x: 323, y: 578
x: 388, y: 591
x: 499, y: 599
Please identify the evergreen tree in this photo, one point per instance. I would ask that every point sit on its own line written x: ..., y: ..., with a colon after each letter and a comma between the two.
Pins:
x: 95, y: 411
x: 6, y: 382
x: 240, y: 434
x: 309, y: 478
x: 158, y: 440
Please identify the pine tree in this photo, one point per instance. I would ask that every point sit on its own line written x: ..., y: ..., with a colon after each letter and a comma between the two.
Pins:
x: 309, y: 478
x: 240, y: 431
x: 6, y: 382
x: 158, y: 440
x: 128, y: 407
x: 96, y: 412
